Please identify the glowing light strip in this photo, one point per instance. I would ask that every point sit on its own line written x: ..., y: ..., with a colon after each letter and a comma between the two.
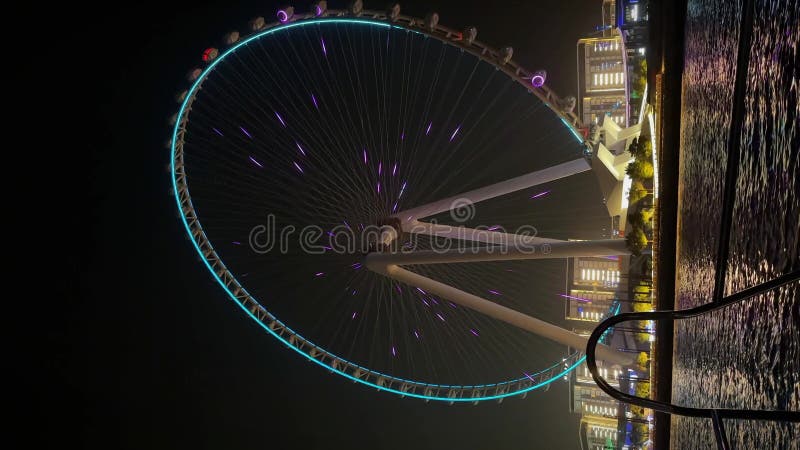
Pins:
x: 624, y: 79
x: 572, y: 130
x: 652, y: 119
x: 644, y: 103
x: 190, y: 96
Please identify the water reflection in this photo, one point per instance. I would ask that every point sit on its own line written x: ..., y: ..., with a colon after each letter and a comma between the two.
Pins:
x: 747, y: 356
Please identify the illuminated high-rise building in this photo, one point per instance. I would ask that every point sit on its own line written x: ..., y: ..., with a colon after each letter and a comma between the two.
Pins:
x: 609, y: 15
x: 600, y: 413
x: 602, y: 80
x: 609, y: 60
x: 592, y: 285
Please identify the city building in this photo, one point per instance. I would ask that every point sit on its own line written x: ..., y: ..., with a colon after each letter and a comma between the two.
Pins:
x: 631, y: 22
x: 612, y: 91
x: 598, y: 435
x: 609, y: 16
x: 600, y: 414
x: 610, y: 143
x: 592, y: 285
x: 630, y: 16
x: 610, y: 65
x: 602, y: 80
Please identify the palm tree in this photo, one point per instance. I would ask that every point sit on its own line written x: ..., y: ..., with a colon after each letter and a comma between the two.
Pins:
x: 636, y: 241
x: 640, y: 169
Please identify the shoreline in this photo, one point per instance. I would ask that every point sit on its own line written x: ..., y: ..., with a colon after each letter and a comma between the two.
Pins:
x: 665, y: 67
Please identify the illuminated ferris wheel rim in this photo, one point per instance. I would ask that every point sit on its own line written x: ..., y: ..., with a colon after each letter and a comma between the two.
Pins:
x: 533, y: 82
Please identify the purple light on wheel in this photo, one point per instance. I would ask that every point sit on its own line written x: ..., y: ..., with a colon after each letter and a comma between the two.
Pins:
x: 246, y: 132
x: 416, y: 334
x: 355, y: 291
x: 540, y: 194
x: 280, y: 118
x: 380, y: 167
x: 493, y: 292
x: 379, y: 187
x: 319, y: 274
x: 452, y: 305
x: 236, y: 243
x: 324, y: 50
x: 453, y: 136
x: 317, y: 10
x: 297, y: 166
x: 403, y: 136
x: 282, y: 16
x: 255, y: 162
x: 420, y: 290
x: 474, y: 332
x: 440, y: 317
x: 365, y: 156
x: 493, y: 228
x: 394, y: 352
x: 538, y: 78
x: 394, y: 169
x: 217, y: 131
x: 314, y: 101
x: 580, y: 299
x: 428, y: 130
x: 426, y: 303
x: 353, y: 316
x: 529, y: 377
x: 356, y: 266
x: 394, y: 208
x: 399, y: 289
x: 300, y: 148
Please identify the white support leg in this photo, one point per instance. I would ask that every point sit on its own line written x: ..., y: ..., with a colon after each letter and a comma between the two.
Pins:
x: 471, y: 234
x: 568, y: 249
x: 495, y: 190
x: 500, y: 312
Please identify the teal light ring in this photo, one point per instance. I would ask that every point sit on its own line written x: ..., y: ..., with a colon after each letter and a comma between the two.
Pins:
x: 222, y: 270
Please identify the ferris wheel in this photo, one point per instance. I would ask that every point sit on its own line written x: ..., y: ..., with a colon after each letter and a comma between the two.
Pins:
x: 364, y: 185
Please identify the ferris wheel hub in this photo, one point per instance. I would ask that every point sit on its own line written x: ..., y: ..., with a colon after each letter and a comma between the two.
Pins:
x: 390, y: 230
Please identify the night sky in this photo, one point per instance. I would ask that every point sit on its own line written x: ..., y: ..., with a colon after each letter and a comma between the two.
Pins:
x: 145, y: 351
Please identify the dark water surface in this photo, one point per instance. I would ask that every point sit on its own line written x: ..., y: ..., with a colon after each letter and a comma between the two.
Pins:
x: 748, y: 355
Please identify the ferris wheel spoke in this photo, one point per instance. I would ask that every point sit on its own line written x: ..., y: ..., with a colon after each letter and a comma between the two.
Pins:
x: 503, y: 313
x: 486, y: 236
x: 377, y: 261
x: 495, y: 190
x: 315, y: 144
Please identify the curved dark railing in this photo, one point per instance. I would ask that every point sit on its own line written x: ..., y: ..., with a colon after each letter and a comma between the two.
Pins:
x: 715, y: 414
